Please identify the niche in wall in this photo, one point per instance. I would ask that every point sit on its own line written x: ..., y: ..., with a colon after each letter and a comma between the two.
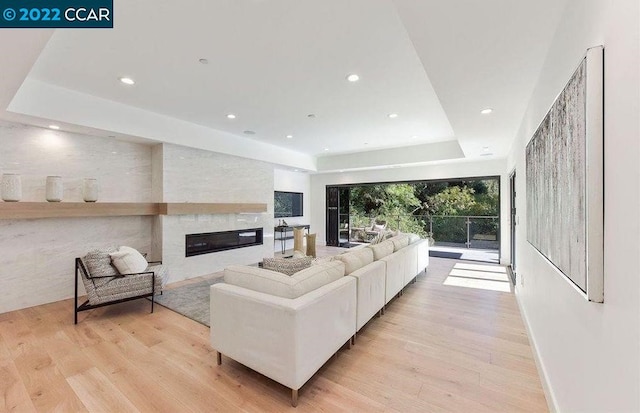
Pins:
x: 565, y: 176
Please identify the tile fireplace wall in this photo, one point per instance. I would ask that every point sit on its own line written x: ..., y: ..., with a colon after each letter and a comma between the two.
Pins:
x: 193, y: 175
x: 36, y: 264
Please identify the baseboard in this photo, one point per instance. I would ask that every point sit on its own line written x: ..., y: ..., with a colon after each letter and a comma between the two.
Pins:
x: 546, y: 387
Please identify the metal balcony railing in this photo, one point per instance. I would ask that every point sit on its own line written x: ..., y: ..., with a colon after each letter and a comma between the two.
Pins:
x: 479, y: 232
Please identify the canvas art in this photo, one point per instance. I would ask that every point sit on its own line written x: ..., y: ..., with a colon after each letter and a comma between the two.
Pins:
x: 564, y: 180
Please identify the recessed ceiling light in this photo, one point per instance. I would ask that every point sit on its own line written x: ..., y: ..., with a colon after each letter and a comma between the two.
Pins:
x: 414, y: 137
x: 203, y: 61
x: 296, y: 170
x: 326, y: 149
x: 231, y: 116
x: 353, y: 77
x: 127, y: 81
x: 311, y: 115
x: 249, y: 132
x: 289, y: 136
x: 54, y: 127
x: 485, y: 148
x: 392, y: 115
x: 486, y: 111
x: 486, y: 154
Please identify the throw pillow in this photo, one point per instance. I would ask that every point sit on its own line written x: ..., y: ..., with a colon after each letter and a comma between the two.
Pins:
x: 288, y: 266
x: 128, y: 261
x: 98, y: 262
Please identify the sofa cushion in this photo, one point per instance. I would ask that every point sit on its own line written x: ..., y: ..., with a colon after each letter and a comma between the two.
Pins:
x: 355, y: 260
x: 280, y: 285
x: 288, y: 266
x: 382, y: 250
x: 399, y: 242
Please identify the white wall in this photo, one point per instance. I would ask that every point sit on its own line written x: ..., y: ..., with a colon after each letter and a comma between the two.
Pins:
x: 36, y: 264
x: 588, y: 352
x: 457, y: 169
x: 289, y: 181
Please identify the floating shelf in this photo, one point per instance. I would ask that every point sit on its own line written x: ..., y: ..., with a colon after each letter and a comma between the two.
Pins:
x: 187, y: 208
x: 33, y: 210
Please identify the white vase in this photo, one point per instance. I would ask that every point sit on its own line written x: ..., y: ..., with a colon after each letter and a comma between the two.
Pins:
x: 90, y: 190
x: 11, y: 187
x: 54, y: 189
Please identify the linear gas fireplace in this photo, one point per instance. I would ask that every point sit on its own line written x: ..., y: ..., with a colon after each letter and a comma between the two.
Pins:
x: 198, y: 244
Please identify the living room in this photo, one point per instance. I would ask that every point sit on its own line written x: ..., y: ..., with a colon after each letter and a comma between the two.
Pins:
x: 145, y: 148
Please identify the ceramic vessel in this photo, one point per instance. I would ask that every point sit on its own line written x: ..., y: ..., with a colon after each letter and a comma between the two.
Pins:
x: 11, y: 187
x: 54, y: 189
x: 90, y: 190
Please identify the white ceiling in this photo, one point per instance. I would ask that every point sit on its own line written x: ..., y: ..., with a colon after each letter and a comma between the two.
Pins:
x: 436, y: 64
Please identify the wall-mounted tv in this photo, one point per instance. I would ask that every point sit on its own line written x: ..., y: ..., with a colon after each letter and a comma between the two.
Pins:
x: 287, y: 204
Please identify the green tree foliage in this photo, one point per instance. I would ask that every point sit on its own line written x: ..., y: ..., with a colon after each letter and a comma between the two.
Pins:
x: 407, y: 206
x: 452, y: 201
x: 392, y: 204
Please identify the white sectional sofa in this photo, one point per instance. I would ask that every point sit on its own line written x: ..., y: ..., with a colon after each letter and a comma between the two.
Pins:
x: 288, y: 332
x: 287, y: 327
x: 370, y: 276
x: 404, y: 260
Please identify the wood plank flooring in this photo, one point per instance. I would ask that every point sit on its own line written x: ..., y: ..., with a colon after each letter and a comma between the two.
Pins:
x: 438, y: 348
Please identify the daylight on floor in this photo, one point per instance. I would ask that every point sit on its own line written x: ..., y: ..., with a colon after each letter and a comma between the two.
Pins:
x: 320, y: 206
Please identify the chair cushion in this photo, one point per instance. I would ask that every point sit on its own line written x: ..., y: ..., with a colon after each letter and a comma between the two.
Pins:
x: 355, y: 260
x: 382, y: 250
x: 161, y: 273
x: 128, y: 261
x: 378, y: 228
x: 288, y: 266
x: 280, y: 285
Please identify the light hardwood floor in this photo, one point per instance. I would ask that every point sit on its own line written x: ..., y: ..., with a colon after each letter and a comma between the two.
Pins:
x: 438, y: 348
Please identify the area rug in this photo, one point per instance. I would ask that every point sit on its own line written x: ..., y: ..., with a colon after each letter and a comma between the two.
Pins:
x: 190, y: 300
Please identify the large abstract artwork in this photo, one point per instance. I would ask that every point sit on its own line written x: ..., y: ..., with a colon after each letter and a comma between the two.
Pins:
x: 564, y: 173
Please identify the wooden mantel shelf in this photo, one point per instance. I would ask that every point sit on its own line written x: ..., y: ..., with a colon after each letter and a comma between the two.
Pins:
x: 187, y: 208
x: 32, y: 210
